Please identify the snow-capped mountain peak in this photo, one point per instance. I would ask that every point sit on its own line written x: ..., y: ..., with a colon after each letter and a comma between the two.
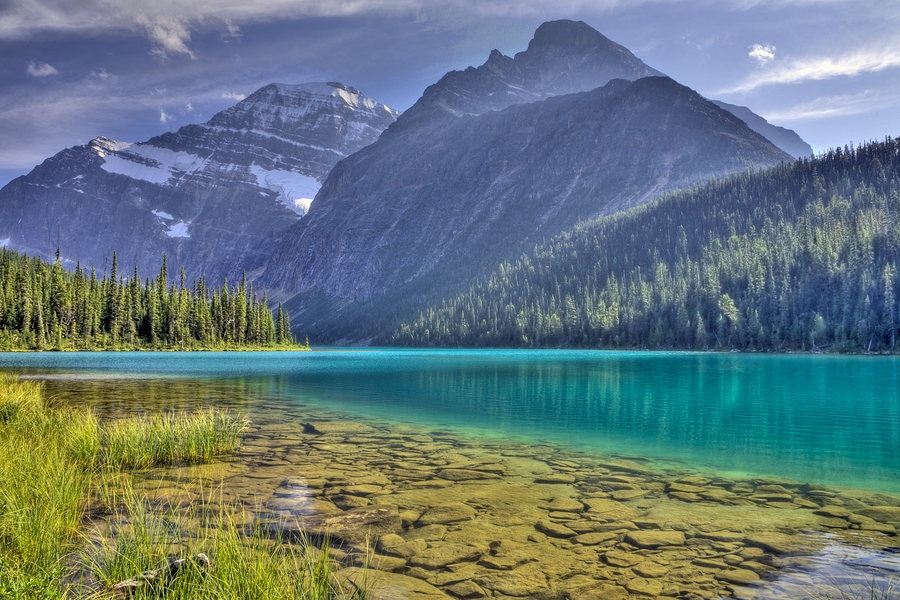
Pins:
x: 215, y: 195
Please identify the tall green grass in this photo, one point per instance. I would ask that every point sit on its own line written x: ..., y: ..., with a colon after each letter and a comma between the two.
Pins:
x: 170, y: 439
x: 246, y: 562
x: 17, y: 397
x: 43, y: 491
x: 55, y: 463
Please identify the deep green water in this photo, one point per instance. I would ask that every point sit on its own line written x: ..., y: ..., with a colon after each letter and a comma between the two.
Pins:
x: 826, y: 419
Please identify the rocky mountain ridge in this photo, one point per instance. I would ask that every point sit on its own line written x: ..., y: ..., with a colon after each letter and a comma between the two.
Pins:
x: 214, y: 196
x: 455, y: 185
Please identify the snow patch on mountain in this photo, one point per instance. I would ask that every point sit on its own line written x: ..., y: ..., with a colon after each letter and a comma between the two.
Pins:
x: 145, y: 172
x: 162, y: 215
x: 179, y: 230
x: 296, y: 191
x: 146, y: 162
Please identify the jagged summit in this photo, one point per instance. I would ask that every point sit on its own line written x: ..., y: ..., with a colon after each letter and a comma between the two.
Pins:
x: 575, y: 34
x: 215, y: 196
x: 564, y: 57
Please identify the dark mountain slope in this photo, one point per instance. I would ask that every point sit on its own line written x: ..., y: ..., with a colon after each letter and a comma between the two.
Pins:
x: 436, y: 210
x: 786, y: 139
x: 803, y: 256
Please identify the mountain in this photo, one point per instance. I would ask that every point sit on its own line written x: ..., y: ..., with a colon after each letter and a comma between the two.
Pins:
x: 804, y: 256
x: 786, y: 139
x: 216, y: 196
x: 425, y: 209
x: 564, y: 57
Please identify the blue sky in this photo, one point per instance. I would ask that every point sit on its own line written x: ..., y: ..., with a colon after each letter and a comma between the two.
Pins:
x: 71, y: 70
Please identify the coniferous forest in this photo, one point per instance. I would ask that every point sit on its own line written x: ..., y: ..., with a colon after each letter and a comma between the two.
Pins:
x: 45, y: 307
x: 803, y: 256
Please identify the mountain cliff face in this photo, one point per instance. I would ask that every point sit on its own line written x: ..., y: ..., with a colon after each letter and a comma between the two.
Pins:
x: 487, y: 163
x: 786, y: 139
x: 414, y: 216
x: 216, y: 197
x: 564, y: 57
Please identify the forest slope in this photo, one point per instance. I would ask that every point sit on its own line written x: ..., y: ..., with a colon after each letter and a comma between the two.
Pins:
x: 801, y: 256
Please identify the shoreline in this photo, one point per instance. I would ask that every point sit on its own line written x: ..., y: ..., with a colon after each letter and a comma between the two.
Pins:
x: 513, y: 517
x: 459, y: 509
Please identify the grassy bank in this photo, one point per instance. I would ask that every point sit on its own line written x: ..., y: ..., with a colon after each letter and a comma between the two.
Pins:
x: 58, y: 466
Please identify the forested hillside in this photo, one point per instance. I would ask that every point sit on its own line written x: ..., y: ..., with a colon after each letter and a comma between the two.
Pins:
x: 803, y: 256
x: 45, y: 307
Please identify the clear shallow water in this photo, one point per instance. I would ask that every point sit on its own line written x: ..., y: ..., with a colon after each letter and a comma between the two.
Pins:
x: 826, y: 419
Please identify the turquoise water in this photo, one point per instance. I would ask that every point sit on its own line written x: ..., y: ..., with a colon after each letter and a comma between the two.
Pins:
x: 826, y: 419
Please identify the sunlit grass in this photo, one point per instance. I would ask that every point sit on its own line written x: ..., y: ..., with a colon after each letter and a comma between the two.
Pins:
x: 17, y: 397
x: 55, y: 462
x: 170, y: 439
x: 43, y: 492
x: 246, y: 562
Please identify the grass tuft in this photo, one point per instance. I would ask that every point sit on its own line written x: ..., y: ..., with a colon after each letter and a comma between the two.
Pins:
x: 54, y: 461
x: 18, y: 398
x: 42, y: 491
x: 246, y: 562
x: 171, y: 439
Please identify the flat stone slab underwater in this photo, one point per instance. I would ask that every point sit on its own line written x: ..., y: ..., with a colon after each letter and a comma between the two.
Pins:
x: 451, y: 515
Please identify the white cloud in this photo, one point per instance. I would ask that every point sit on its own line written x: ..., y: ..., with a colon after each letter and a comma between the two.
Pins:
x: 816, y: 69
x: 828, y: 107
x: 234, y: 32
x: 169, y: 35
x: 233, y: 96
x: 188, y: 107
x: 103, y: 74
x: 763, y: 55
x: 39, y: 69
x: 165, y: 117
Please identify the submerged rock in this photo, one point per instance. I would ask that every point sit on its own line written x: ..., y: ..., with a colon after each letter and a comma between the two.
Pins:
x: 561, y: 504
x: 466, y: 475
x: 528, y: 580
x: 884, y: 514
x: 779, y: 543
x: 451, y: 512
x: 738, y: 576
x: 328, y: 427
x: 357, y: 526
x: 655, y: 539
x: 443, y: 554
x: 380, y: 585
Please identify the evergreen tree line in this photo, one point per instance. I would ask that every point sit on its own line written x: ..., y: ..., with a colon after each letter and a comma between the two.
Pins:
x: 44, y: 306
x: 803, y: 256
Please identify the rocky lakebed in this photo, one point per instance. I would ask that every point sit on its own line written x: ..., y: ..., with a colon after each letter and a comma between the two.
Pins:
x: 419, y: 514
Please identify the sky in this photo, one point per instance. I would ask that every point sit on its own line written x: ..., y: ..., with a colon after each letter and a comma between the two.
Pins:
x: 71, y: 70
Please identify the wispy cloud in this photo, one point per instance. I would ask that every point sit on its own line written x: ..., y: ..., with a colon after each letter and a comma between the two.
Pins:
x: 233, y: 33
x: 828, y: 107
x: 165, y: 117
x: 39, y: 69
x: 816, y: 69
x: 763, y: 55
x: 169, y: 35
x: 233, y: 96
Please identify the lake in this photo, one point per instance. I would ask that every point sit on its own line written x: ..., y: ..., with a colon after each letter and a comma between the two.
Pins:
x: 691, y: 443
